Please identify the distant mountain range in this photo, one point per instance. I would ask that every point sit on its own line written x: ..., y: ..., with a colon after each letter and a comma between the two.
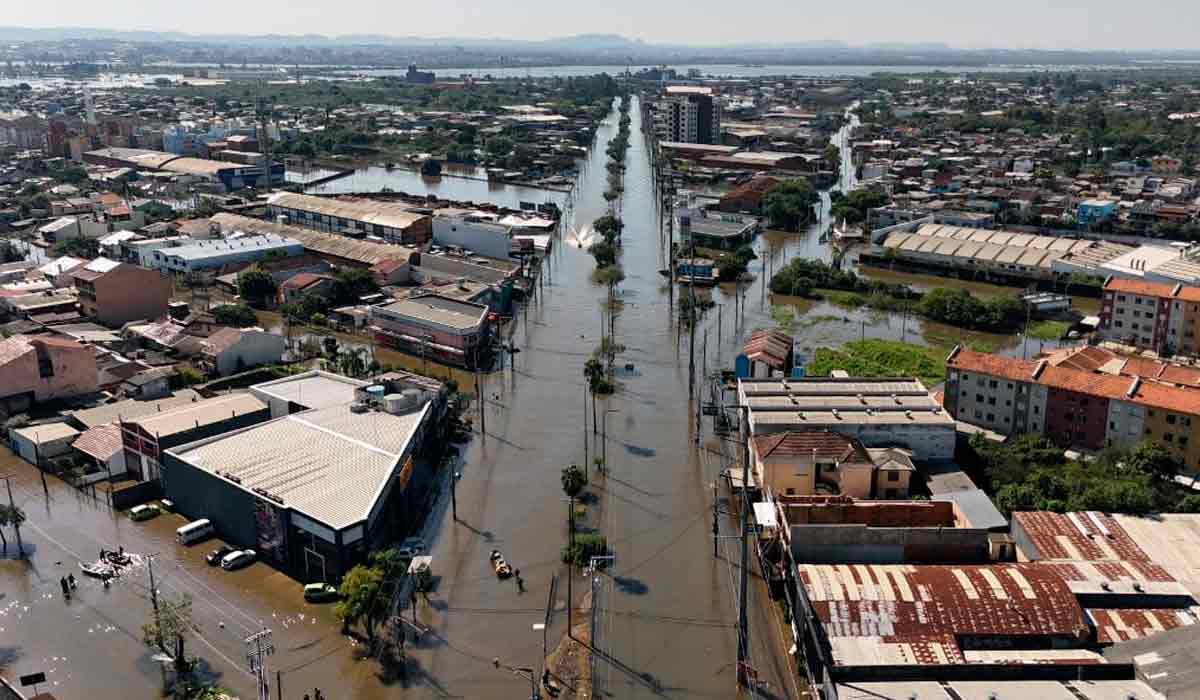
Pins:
x: 581, y: 49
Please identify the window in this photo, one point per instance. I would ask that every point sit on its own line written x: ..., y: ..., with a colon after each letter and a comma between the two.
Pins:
x: 1170, y: 419
x: 991, y: 417
x: 1183, y: 440
x: 1118, y: 324
x: 893, y: 476
x: 991, y: 400
x: 1036, y: 410
x: 978, y: 398
x: 791, y: 492
x: 1112, y: 425
x: 1120, y: 297
x: 978, y: 414
x: 993, y: 384
x: 964, y: 393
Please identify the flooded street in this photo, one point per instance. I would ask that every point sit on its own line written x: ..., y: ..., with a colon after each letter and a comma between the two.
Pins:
x: 666, y: 608
x: 459, y: 184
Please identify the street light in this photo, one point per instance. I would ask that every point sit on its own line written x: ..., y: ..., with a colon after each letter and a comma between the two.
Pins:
x: 604, y: 438
x: 454, y: 494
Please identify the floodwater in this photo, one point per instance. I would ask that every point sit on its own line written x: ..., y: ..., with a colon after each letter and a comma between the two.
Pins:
x: 473, y: 188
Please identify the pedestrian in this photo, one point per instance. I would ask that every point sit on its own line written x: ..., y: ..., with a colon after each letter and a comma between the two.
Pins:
x: 65, y: 588
x: 71, y: 580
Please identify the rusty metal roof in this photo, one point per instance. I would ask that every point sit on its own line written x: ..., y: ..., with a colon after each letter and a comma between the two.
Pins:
x: 903, y: 614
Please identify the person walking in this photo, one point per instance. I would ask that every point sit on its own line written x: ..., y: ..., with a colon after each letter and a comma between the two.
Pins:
x: 71, y: 581
x: 66, y: 589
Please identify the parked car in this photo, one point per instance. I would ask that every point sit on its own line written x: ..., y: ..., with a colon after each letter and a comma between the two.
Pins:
x: 143, y: 512
x: 320, y: 592
x: 168, y: 505
x: 214, y: 557
x: 411, y: 547
x: 237, y: 560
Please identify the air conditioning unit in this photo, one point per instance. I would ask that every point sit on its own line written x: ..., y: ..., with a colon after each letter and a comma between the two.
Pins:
x: 360, y: 407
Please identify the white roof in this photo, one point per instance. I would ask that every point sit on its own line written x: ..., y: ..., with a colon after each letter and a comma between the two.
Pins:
x: 118, y: 237
x: 101, y: 265
x: 314, y: 389
x: 58, y: 266
x: 59, y: 224
x: 48, y: 432
x: 329, y: 464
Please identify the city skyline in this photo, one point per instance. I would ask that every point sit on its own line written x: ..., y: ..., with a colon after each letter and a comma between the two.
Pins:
x: 1023, y: 25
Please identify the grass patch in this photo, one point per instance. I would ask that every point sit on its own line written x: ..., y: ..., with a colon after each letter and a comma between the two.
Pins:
x: 943, y: 340
x: 784, y: 317
x: 1049, y: 330
x: 881, y: 358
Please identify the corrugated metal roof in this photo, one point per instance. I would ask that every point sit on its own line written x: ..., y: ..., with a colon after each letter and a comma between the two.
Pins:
x: 199, y: 414
x: 329, y: 464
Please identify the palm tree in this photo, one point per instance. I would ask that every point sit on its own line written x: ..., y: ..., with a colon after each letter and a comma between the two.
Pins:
x: 593, y: 369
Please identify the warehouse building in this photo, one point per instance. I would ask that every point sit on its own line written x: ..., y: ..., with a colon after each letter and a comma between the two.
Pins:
x: 311, y: 492
x: 878, y: 412
x: 214, y: 255
x: 388, y: 221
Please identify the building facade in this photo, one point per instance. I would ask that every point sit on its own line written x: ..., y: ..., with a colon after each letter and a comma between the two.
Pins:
x: 115, y: 293
x: 389, y: 221
x: 688, y: 115
x: 435, y: 327
x: 43, y: 368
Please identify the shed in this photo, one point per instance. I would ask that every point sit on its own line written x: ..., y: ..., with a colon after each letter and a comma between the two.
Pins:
x: 41, y: 442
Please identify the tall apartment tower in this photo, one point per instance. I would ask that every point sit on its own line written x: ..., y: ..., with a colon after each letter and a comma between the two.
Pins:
x: 688, y: 114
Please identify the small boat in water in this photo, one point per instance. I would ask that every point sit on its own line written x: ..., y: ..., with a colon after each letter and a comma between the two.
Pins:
x: 501, y: 567
x: 98, y: 569
x: 846, y: 235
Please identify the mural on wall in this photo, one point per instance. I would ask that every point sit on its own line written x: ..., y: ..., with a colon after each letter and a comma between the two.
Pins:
x: 269, y: 523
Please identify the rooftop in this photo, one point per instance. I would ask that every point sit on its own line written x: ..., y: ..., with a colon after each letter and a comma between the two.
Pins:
x: 388, y: 214
x: 47, y: 432
x: 438, y: 309
x: 329, y: 464
x: 815, y: 444
x: 315, y: 389
x: 917, y: 615
x: 363, y: 252
x: 209, y: 249
x: 198, y: 414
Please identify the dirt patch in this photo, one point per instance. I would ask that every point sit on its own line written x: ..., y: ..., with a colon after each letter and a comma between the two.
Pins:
x: 570, y: 662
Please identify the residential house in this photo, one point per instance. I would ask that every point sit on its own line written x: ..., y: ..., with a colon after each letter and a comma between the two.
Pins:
x: 43, y: 368
x: 808, y: 462
x: 304, y: 284
x: 115, y: 293
x: 232, y: 350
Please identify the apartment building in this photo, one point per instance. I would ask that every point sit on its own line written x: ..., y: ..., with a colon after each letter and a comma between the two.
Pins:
x: 688, y: 114
x: 1076, y: 402
x: 1140, y: 314
x: 115, y: 293
x: 389, y: 221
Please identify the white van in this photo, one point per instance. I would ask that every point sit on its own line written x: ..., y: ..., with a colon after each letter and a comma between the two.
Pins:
x: 194, y: 531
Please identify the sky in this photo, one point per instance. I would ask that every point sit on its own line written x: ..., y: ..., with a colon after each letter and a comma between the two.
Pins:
x: 1071, y: 24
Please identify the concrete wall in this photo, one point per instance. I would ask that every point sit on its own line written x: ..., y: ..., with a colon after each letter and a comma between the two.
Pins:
x: 860, y: 544
x: 490, y: 240
x: 200, y: 494
x: 74, y: 374
x: 129, y: 293
x: 255, y: 348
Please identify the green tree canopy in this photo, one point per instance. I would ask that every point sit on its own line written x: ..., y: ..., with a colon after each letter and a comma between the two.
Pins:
x: 236, y: 315
x: 257, y: 286
x: 789, y: 204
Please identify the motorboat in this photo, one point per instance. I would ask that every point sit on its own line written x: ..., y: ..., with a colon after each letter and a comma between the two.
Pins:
x: 98, y: 569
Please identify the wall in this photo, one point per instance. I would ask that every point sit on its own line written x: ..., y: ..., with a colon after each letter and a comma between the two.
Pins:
x: 860, y: 544
x: 835, y: 510
x: 1074, y: 419
x: 490, y: 240
x: 200, y: 494
x: 983, y: 400
x: 1126, y: 422
x: 130, y: 293
x: 1174, y: 432
x: 255, y: 348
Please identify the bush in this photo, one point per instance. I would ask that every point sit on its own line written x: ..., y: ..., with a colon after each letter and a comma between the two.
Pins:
x: 586, y: 546
x: 236, y: 315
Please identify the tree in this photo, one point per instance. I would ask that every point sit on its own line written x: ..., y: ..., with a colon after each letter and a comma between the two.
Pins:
x: 77, y: 247
x: 351, y: 283
x: 573, y: 480
x: 431, y: 168
x: 604, y: 252
x: 790, y: 204
x: 257, y: 286
x: 236, y: 315
x: 359, y: 588
x: 169, y: 624
x: 593, y: 370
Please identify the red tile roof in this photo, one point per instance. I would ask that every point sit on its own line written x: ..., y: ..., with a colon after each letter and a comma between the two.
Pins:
x: 1147, y: 289
x: 1191, y: 294
x: 823, y: 444
x: 769, y: 346
x: 101, y: 442
x: 302, y: 280
x: 966, y: 360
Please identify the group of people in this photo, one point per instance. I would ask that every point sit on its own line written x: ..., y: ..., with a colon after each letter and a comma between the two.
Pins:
x: 68, y: 584
x: 315, y: 696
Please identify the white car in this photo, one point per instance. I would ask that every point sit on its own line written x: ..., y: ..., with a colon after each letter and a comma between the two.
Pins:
x: 236, y: 560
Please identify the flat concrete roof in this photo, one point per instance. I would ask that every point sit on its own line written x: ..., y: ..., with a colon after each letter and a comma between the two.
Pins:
x: 314, y: 389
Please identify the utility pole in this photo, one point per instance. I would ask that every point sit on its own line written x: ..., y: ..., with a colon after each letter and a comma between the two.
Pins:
x: 743, y: 623
x: 482, y: 400
x: 585, y: 430
x: 454, y: 494
x: 570, y: 565
x: 154, y: 598
x: 258, y: 647
x: 719, y: 307
x: 13, y: 506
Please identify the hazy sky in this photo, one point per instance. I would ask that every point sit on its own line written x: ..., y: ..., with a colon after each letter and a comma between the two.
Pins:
x: 962, y: 23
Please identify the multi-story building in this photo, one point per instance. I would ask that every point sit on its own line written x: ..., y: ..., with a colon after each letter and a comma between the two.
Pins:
x: 115, y: 293
x: 212, y: 255
x: 434, y: 326
x: 43, y: 368
x: 1140, y: 314
x: 688, y: 114
x: 1077, y: 399
x: 390, y: 221
x: 880, y: 413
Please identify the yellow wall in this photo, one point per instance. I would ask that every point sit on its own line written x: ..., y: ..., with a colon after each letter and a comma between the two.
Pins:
x: 1157, y: 427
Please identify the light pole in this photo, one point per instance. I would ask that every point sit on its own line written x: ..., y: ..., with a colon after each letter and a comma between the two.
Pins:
x: 454, y: 494
x: 604, y: 438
